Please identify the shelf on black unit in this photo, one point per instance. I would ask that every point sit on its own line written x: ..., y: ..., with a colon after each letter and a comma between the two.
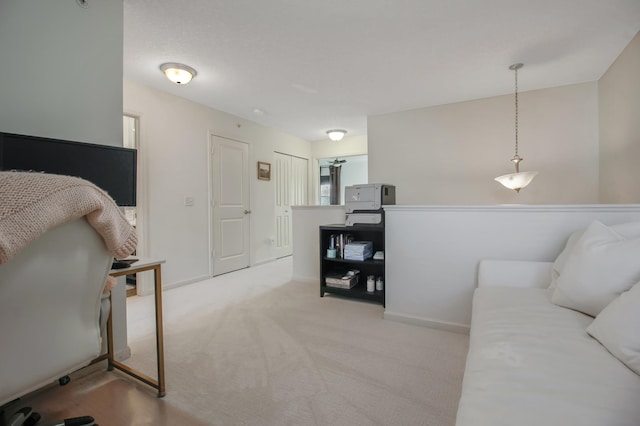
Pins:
x: 356, y: 292
x: 367, y: 267
x: 355, y: 262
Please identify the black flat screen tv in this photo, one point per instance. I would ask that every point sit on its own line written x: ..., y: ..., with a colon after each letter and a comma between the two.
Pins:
x: 111, y: 168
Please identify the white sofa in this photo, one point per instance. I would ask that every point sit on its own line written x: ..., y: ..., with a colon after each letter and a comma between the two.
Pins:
x: 50, y: 296
x: 534, y: 361
x: 58, y: 238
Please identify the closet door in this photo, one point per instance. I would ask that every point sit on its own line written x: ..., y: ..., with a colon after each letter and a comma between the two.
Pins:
x: 291, y: 176
x: 299, y: 181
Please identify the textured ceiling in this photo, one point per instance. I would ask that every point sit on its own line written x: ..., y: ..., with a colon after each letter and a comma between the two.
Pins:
x: 312, y: 65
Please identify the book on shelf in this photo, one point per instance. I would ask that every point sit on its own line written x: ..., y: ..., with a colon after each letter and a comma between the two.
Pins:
x: 339, y: 242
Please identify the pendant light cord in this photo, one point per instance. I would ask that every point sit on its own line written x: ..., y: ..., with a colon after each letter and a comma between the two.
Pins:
x: 516, y: 98
x: 517, y: 180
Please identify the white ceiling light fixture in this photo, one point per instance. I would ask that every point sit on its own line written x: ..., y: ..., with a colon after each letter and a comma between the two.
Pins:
x: 178, y: 73
x: 336, y: 134
x: 517, y: 180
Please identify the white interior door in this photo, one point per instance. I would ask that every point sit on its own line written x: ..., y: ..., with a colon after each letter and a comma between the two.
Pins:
x: 282, y: 176
x: 231, y: 207
x: 291, y: 179
x: 299, y: 181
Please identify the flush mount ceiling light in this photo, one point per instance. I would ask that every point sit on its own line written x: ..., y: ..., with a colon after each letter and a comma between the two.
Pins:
x: 517, y: 180
x: 336, y: 134
x: 178, y: 73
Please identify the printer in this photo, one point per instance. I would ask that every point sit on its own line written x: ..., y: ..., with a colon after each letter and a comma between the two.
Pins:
x: 363, y: 203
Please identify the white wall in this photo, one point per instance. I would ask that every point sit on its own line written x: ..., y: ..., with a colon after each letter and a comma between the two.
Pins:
x: 62, y: 69
x: 174, y: 135
x: 62, y: 78
x: 450, y: 154
x: 353, y: 173
x: 619, y: 96
x: 432, y: 252
x: 349, y: 145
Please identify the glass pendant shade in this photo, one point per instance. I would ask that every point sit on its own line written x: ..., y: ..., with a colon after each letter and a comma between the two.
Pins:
x: 516, y: 181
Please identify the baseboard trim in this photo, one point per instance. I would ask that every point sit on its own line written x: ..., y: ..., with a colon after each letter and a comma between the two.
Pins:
x: 305, y: 280
x: 426, y: 322
x: 169, y: 286
x: 186, y: 282
x: 263, y: 262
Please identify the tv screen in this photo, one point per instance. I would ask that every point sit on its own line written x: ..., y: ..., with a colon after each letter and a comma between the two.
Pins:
x: 111, y: 168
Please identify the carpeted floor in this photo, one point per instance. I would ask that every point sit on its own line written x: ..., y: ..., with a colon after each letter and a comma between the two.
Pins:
x: 284, y: 356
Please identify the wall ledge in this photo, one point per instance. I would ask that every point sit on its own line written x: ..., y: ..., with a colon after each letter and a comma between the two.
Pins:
x: 332, y: 207
x: 515, y: 208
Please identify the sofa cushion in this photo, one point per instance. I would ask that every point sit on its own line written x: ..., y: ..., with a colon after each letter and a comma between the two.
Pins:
x: 616, y: 327
x: 531, y: 362
x: 558, y: 265
x: 628, y: 230
x: 601, y: 265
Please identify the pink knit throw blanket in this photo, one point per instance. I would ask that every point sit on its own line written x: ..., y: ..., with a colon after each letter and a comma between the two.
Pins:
x: 32, y: 203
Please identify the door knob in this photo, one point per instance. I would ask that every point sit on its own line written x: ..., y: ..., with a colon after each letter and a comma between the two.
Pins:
x: 247, y: 211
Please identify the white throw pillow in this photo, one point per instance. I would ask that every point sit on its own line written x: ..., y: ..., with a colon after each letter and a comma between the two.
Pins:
x: 616, y: 327
x: 558, y: 265
x: 601, y: 265
x: 628, y: 230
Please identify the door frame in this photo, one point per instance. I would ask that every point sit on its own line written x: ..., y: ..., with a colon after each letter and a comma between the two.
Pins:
x: 144, y: 285
x: 210, y: 203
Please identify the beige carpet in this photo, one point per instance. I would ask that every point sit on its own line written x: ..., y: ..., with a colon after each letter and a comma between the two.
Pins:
x: 288, y: 357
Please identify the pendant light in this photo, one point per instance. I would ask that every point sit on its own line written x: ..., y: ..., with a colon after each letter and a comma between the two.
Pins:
x: 517, y: 180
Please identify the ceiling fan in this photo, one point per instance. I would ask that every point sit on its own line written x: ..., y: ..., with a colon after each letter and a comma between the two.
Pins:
x: 336, y: 162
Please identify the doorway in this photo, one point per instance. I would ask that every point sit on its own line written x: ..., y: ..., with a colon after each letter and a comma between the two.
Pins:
x: 336, y: 173
x: 130, y: 139
x: 139, y: 284
x: 230, y: 213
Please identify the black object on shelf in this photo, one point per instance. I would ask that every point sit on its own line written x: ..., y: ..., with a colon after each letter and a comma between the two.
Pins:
x: 119, y: 265
x: 330, y: 266
x: 122, y: 263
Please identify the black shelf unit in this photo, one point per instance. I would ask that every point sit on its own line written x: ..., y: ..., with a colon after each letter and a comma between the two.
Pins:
x: 374, y: 233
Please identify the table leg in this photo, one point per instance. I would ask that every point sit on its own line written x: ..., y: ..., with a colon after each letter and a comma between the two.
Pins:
x: 110, y: 336
x: 159, y: 331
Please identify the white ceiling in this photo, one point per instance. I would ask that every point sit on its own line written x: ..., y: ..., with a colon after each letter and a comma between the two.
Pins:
x: 313, y: 65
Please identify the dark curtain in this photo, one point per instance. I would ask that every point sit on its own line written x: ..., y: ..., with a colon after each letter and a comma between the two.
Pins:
x: 334, y: 179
